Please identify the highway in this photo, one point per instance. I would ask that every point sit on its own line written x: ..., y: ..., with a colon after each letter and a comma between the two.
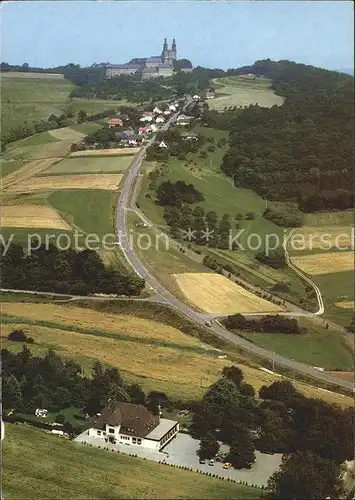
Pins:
x: 166, y: 297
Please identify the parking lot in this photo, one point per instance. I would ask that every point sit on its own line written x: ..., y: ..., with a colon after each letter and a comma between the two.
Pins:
x: 182, y: 450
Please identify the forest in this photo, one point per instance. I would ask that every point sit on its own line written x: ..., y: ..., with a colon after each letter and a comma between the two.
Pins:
x: 301, y: 151
x: 63, y: 271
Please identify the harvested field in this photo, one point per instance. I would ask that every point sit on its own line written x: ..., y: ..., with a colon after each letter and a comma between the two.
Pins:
x: 106, y: 152
x: 67, y: 133
x: 38, y: 216
x: 88, y: 318
x: 24, y: 173
x: 93, y: 165
x: 345, y: 304
x: 324, y: 237
x: 325, y: 263
x: 183, y: 374
x: 214, y: 293
x: 81, y: 181
x: 36, y: 76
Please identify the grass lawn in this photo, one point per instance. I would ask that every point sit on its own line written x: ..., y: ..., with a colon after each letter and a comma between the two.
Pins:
x: 86, y: 128
x: 31, y: 99
x: 238, y: 91
x: 89, y: 164
x: 318, y: 347
x: 92, y: 210
x: 39, y: 465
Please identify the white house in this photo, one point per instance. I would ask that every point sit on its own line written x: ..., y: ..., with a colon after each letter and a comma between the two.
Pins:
x: 130, y: 424
x: 167, y: 112
x: 147, y: 116
x: 172, y: 107
x: 196, y: 97
x: 152, y: 128
x: 160, y: 119
x: 183, y: 119
x: 157, y: 111
x: 163, y: 145
x: 42, y: 413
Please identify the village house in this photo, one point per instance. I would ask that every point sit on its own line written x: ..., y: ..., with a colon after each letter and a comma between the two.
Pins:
x: 167, y: 112
x: 152, y: 128
x: 126, y: 423
x: 172, y: 107
x: 196, y: 97
x: 163, y: 145
x: 160, y: 119
x: 115, y: 122
x: 143, y: 130
x: 157, y: 111
x: 147, y: 116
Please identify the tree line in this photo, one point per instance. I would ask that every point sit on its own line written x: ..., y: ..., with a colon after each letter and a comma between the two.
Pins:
x: 269, y: 324
x: 63, y: 271
x: 301, y: 151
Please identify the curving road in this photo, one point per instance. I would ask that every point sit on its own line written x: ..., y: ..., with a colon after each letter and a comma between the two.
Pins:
x: 164, y: 296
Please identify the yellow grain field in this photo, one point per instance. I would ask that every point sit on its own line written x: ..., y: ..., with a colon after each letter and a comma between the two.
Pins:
x: 345, y: 304
x: 106, y: 152
x: 27, y: 171
x: 108, y: 182
x: 325, y: 263
x: 88, y: 318
x: 178, y: 373
x: 325, y: 237
x: 38, y: 216
x: 214, y: 293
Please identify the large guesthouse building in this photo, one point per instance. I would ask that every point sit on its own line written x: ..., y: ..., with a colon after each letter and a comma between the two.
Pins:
x: 126, y: 423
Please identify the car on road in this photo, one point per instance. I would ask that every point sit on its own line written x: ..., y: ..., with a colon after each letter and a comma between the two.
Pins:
x: 211, y: 462
x: 202, y: 461
x: 208, y: 323
x: 227, y: 465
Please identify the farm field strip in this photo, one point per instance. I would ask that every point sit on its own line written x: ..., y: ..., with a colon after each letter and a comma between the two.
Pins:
x: 36, y: 216
x: 105, y: 152
x: 325, y: 263
x: 91, y: 165
x: 214, y: 293
x: 80, y: 181
x: 316, y: 237
x: 67, y: 133
x: 86, y: 318
x: 27, y: 171
x: 345, y: 304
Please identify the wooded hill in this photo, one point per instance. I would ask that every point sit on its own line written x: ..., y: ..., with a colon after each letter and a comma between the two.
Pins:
x: 303, y: 150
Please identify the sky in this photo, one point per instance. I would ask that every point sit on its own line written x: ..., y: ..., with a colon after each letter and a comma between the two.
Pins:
x: 218, y: 34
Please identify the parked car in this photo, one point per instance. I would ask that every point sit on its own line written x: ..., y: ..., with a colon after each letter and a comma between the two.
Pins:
x: 227, y: 465
x: 211, y: 462
x: 202, y: 461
